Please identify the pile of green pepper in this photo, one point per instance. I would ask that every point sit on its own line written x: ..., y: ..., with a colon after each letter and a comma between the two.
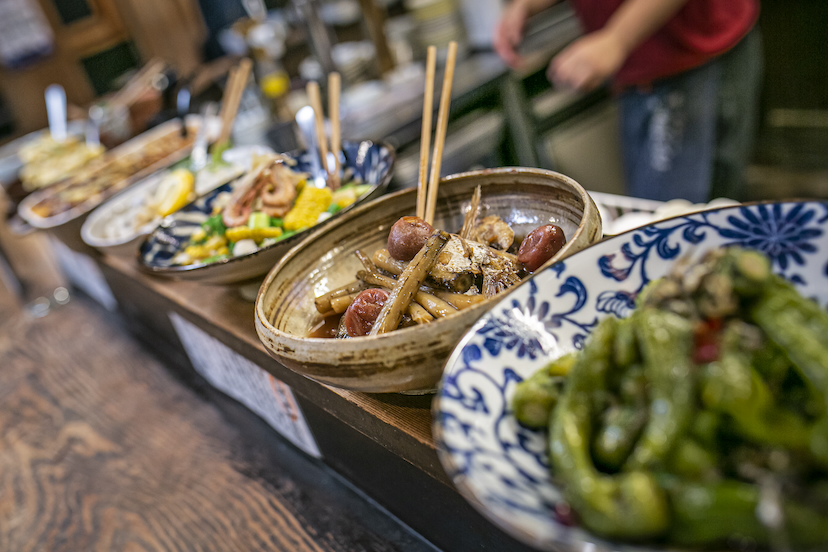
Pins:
x: 701, y: 419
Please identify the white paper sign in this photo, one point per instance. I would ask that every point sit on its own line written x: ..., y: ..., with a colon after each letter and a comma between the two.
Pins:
x: 247, y: 383
x: 85, y: 274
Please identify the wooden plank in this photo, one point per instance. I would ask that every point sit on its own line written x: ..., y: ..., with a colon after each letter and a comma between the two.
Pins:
x: 102, y: 449
x: 397, y: 422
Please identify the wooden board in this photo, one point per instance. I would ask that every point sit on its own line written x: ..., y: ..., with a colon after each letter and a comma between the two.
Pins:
x: 102, y: 449
x: 400, y: 421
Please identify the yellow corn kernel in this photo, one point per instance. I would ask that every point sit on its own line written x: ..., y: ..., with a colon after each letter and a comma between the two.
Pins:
x: 260, y: 234
x: 344, y: 197
x: 223, y: 250
x: 238, y: 233
x: 214, y: 242
x: 197, y: 251
x: 198, y: 235
x: 311, y: 203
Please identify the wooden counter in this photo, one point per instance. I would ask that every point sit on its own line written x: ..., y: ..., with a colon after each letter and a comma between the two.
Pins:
x: 380, y: 442
x: 103, y: 449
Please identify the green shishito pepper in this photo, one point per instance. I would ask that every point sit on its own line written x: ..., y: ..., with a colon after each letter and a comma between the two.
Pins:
x: 629, y: 505
x: 732, y: 386
x: 706, y: 514
x: 799, y: 327
x: 666, y: 341
x: 536, y: 396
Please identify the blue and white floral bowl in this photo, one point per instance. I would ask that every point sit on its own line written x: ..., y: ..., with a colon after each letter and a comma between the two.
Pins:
x: 364, y: 161
x: 501, y: 467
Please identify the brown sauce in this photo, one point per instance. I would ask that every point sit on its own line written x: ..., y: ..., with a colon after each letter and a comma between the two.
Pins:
x: 326, y: 326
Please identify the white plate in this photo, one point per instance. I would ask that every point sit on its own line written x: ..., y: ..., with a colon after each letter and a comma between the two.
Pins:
x: 101, y: 229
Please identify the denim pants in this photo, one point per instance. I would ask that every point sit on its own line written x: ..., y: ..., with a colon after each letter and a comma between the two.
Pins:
x: 690, y: 136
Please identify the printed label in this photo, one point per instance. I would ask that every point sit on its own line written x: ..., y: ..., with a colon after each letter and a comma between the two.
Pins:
x: 85, y: 274
x: 246, y: 382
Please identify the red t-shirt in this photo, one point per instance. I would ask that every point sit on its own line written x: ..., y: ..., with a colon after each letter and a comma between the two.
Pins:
x: 700, y: 31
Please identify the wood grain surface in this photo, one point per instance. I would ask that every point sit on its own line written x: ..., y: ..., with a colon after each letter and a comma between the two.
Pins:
x: 230, y: 315
x: 102, y: 449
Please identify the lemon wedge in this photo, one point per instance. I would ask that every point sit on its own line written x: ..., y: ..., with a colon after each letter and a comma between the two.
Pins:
x: 174, y: 191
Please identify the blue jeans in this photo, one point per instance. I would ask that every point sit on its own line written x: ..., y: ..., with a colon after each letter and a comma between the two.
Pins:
x: 691, y: 135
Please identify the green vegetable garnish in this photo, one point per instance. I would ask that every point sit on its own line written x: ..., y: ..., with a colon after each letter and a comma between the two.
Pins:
x: 258, y: 220
x: 214, y: 225
x: 288, y: 234
x: 216, y: 152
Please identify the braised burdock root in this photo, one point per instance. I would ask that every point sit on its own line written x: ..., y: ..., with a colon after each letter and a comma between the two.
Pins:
x: 432, y: 274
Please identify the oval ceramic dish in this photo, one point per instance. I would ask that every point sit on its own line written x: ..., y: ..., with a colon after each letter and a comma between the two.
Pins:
x: 409, y: 359
x: 77, y: 213
x: 500, y: 467
x: 111, y: 228
x: 371, y: 163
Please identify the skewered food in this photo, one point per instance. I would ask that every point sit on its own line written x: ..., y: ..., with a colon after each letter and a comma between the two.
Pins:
x: 700, y: 417
x: 110, y: 176
x: 48, y: 161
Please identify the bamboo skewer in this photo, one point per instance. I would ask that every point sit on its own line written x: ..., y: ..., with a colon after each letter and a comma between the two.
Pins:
x: 471, y: 215
x: 139, y: 83
x: 334, y: 88
x: 236, y: 83
x: 425, y: 133
x: 440, y: 137
x: 321, y: 140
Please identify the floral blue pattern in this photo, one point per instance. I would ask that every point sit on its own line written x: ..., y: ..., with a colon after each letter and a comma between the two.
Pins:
x: 785, y: 235
x: 364, y: 161
x: 500, y: 466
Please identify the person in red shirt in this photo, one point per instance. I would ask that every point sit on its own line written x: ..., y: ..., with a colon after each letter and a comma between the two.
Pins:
x: 687, y: 75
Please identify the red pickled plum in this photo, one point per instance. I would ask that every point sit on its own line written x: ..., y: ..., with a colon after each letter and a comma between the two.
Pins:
x: 407, y: 237
x: 363, y: 311
x: 540, y: 245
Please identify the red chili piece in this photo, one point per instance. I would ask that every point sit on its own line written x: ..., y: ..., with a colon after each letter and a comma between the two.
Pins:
x: 363, y: 311
x: 706, y: 341
x: 407, y: 237
x: 540, y: 245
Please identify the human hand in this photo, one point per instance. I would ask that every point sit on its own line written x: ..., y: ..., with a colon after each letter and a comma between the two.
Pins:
x: 509, y: 32
x: 588, y: 62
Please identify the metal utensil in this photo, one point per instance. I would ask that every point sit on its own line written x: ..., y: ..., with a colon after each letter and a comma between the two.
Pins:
x: 198, y: 158
x: 56, y: 111
x: 305, y: 121
x: 182, y: 106
x: 93, y: 126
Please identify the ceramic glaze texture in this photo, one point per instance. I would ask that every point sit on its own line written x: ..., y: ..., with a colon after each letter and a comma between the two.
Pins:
x: 72, y: 219
x: 501, y: 467
x: 365, y: 161
x: 410, y: 359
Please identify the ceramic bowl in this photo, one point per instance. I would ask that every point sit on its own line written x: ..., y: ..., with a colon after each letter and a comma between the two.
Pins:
x: 372, y: 163
x: 410, y: 359
x: 111, y: 227
x: 500, y: 467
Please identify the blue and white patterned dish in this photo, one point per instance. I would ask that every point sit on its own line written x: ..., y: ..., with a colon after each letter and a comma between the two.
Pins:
x: 501, y: 467
x: 365, y: 161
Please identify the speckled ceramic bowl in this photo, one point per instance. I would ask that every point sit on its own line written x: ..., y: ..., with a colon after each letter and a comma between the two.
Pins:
x: 410, y: 359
